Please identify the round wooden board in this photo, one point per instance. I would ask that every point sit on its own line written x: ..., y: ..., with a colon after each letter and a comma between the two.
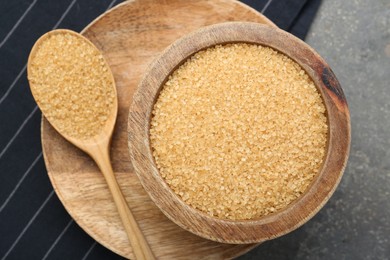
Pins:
x: 130, y: 36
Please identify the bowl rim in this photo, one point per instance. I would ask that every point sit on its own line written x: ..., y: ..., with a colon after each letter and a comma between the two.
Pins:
x: 269, y: 226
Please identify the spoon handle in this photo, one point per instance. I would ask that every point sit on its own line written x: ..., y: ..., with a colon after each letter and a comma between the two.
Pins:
x: 141, y: 249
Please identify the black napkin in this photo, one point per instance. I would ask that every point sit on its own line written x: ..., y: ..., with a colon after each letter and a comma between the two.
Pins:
x: 33, y: 222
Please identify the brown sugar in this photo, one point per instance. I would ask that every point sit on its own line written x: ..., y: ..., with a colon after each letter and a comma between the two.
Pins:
x: 72, y: 85
x: 239, y: 131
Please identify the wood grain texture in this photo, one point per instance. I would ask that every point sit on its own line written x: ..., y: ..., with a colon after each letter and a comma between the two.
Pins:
x: 270, y: 226
x: 130, y: 36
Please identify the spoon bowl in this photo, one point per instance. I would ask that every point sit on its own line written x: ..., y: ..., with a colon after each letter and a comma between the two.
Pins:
x: 100, y: 119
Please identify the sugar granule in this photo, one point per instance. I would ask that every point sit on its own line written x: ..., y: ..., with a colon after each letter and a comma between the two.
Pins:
x: 72, y: 85
x: 239, y: 131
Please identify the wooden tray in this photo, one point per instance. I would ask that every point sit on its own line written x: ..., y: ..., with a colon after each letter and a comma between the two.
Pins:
x: 130, y: 36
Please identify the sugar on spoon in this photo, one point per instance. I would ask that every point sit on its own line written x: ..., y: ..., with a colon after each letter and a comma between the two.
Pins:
x: 75, y: 90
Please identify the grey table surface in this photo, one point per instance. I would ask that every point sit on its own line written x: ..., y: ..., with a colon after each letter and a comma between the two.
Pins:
x: 354, y: 38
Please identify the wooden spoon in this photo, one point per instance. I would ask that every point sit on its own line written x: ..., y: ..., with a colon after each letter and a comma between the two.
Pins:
x: 95, y: 144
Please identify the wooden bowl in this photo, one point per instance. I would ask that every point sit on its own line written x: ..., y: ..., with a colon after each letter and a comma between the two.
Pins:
x: 270, y: 226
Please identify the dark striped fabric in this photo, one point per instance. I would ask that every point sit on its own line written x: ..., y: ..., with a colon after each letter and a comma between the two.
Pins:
x: 33, y: 223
